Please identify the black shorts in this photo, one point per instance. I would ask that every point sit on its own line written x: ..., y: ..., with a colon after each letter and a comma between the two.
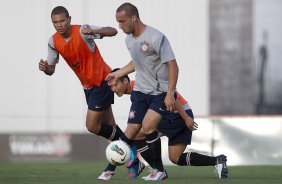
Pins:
x: 176, y: 130
x: 99, y: 98
x: 141, y: 102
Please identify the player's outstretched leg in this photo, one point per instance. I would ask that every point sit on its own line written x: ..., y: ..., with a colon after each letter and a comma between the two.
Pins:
x: 221, y: 169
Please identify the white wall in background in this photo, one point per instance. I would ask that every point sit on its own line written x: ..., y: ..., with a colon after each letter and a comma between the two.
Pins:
x: 31, y: 101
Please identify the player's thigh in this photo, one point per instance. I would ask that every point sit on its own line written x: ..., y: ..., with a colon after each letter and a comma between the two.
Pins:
x: 108, y: 117
x: 151, y: 121
x: 175, y: 151
x: 95, y: 118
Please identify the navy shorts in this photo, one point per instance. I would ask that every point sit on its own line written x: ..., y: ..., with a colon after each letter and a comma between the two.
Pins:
x: 141, y: 102
x: 99, y: 98
x: 176, y: 131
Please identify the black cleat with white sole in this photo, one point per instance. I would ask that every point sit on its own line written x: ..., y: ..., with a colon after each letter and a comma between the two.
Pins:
x: 221, y: 169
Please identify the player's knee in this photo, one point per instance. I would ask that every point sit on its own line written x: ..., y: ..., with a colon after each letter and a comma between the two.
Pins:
x: 174, y: 159
x: 91, y: 128
x: 147, y: 128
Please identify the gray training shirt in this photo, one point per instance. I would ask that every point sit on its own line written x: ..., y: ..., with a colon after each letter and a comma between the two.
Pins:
x: 149, y: 52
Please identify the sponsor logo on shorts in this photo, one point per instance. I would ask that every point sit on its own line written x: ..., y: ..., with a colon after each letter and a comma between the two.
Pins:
x: 160, y: 109
x: 131, y: 114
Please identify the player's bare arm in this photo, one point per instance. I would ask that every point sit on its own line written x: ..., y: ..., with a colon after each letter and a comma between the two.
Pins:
x: 104, y: 31
x: 190, y: 123
x: 173, y: 76
x: 113, y: 77
x: 46, y: 68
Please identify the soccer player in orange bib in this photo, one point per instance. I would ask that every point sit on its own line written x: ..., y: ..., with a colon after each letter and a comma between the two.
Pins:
x: 75, y: 43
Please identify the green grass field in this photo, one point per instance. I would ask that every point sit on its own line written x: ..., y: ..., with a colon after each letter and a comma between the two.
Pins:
x: 86, y: 172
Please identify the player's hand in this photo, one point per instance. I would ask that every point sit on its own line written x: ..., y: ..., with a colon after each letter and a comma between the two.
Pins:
x: 87, y: 30
x: 170, y: 102
x: 112, y: 78
x: 43, y: 65
x: 192, y: 125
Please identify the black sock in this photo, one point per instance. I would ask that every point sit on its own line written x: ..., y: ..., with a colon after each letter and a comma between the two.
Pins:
x: 143, y: 149
x: 125, y: 139
x: 196, y: 159
x: 116, y: 134
x: 119, y: 132
x: 154, y: 143
x: 108, y: 132
x: 110, y: 167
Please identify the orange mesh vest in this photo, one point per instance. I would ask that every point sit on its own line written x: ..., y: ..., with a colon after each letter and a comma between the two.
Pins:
x: 89, y: 67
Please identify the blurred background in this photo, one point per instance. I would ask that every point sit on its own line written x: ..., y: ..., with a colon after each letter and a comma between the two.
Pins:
x: 229, y: 53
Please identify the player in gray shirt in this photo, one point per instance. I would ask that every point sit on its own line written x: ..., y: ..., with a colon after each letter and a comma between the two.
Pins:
x: 153, y: 96
x: 150, y: 53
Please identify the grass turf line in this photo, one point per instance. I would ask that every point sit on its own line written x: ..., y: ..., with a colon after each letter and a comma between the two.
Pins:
x: 86, y: 172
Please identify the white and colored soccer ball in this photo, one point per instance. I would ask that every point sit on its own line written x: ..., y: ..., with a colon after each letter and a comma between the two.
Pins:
x: 118, y: 152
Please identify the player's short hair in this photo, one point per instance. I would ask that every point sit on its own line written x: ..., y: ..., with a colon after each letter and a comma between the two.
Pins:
x: 60, y: 9
x: 129, y: 9
x: 122, y: 77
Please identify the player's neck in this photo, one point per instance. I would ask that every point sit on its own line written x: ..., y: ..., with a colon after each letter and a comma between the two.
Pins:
x: 139, y: 29
x: 67, y: 33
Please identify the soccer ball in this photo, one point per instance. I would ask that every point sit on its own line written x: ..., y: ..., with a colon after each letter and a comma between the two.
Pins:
x: 118, y: 152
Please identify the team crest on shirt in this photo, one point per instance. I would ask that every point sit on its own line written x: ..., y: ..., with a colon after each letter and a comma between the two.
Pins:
x: 131, y: 114
x: 144, y: 47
